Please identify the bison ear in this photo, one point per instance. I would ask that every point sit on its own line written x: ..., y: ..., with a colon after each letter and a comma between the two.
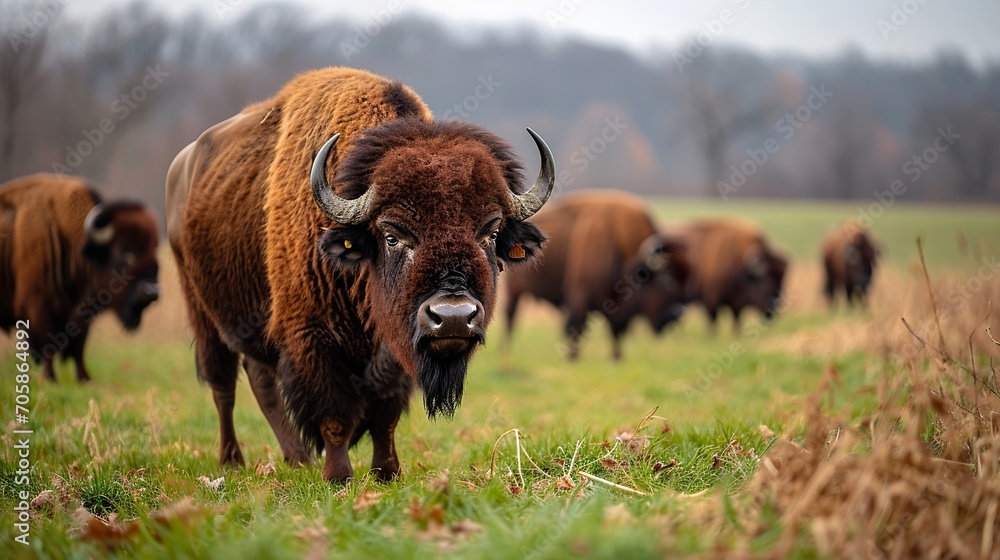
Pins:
x: 519, y: 242
x: 347, y: 246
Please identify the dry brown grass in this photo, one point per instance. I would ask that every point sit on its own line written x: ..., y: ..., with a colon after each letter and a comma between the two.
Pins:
x: 919, y: 477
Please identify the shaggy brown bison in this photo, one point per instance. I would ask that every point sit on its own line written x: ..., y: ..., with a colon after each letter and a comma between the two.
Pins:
x: 849, y: 257
x: 65, y: 257
x: 605, y: 256
x: 735, y: 268
x: 345, y: 286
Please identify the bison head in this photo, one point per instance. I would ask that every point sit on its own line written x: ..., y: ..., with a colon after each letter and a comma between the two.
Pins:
x: 860, y: 254
x: 664, y: 269
x: 429, y: 212
x: 120, y: 245
x: 762, y: 276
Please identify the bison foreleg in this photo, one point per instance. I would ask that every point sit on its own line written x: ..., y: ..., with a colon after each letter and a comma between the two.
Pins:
x: 336, y: 441
x: 76, y: 351
x: 383, y: 415
x: 262, y: 381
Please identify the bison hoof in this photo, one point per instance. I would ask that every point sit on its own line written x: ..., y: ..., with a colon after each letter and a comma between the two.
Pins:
x: 386, y: 472
x: 231, y: 457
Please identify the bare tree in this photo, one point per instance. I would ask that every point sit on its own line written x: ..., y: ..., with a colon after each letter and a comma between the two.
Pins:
x: 21, y: 60
x: 718, y: 118
x: 976, y: 153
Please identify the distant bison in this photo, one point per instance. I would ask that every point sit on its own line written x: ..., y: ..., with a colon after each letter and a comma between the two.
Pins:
x: 849, y: 258
x: 66, y: 257
x: 605, y: 256
x: 735, y: 267
x: 345, y: 287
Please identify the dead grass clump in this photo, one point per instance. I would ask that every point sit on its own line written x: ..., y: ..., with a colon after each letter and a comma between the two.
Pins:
x: 920, y: 477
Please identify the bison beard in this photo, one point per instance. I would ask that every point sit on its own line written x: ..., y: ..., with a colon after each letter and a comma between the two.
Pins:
x: 442, y: 379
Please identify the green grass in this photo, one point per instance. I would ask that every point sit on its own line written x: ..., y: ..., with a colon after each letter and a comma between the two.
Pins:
x: 138, y: 438
x: 798, y: 226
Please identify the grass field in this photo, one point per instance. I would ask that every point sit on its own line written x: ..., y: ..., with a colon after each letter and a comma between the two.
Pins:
x: 138, y: 446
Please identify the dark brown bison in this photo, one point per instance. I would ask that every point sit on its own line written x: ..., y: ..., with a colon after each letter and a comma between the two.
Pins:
x: 735, y: 268
x: 605, y: 256
x: 65, y: 257
x: 849, y: 257
x: 346, y: 286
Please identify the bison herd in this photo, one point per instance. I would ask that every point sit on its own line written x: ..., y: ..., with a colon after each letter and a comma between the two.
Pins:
x: 367, y: 240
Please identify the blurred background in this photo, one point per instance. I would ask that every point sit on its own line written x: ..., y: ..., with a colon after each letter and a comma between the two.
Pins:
x: 728, y: 99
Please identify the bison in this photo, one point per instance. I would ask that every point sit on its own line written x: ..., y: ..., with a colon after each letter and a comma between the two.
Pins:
x: 735, y: 268
x: 849, y: 257
x: 345, y: 284
x: 604, y: 256
x: 65, y: 257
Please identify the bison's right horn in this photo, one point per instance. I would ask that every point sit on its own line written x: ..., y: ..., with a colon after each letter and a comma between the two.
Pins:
x: 654, y: 252
x: 525, y: 205
x: 341, y: 210
x: 755, y: 262
x: 98, y: 235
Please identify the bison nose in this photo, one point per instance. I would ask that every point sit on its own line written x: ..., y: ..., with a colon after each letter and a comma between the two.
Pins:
x: 150, y: 292
x: 451, y: 317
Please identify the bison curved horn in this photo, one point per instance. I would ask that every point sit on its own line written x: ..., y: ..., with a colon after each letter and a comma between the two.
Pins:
x: 341, y: 210
x: 755, y: 262
x: 654, y: 253
x: 525, y: 205
x: 98, y: 235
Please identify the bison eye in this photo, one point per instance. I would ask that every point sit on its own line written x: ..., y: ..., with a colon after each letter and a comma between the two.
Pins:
x: 391, y: 240
x: 494, y: 235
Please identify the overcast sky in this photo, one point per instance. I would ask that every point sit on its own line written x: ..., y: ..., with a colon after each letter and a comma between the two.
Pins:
x: 911, y: 30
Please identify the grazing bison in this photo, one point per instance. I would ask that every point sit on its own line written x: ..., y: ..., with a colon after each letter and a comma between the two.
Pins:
x: 604, y: 255
x: 65, y: 257
x: 735, y: 268
x: 346, y: 286
x: 849, y: 256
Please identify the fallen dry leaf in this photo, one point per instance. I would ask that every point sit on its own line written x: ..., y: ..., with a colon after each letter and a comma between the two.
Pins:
x: 106, y: 534
x: 565, y: 483
x: 765, y: 433
x: 366, y: 499
x: 212, y: 484
x: 44, y: 503
x: 264, y: 469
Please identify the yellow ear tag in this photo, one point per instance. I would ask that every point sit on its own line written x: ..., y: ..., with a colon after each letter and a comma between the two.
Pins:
x: 347, y: 244
x: 516, y: 252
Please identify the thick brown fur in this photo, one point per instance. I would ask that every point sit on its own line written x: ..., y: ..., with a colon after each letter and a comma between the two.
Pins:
x: 722, y: 249
x: 849, y: 258
x: 327, y: 311
x: 593, y: 264
x: 51, y: 276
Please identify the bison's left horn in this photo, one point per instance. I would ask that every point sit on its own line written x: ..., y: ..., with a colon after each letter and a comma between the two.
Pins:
x: 98, y: 235
x: 525, y: 205
x: 654, y: 252
x: 340, y: 210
